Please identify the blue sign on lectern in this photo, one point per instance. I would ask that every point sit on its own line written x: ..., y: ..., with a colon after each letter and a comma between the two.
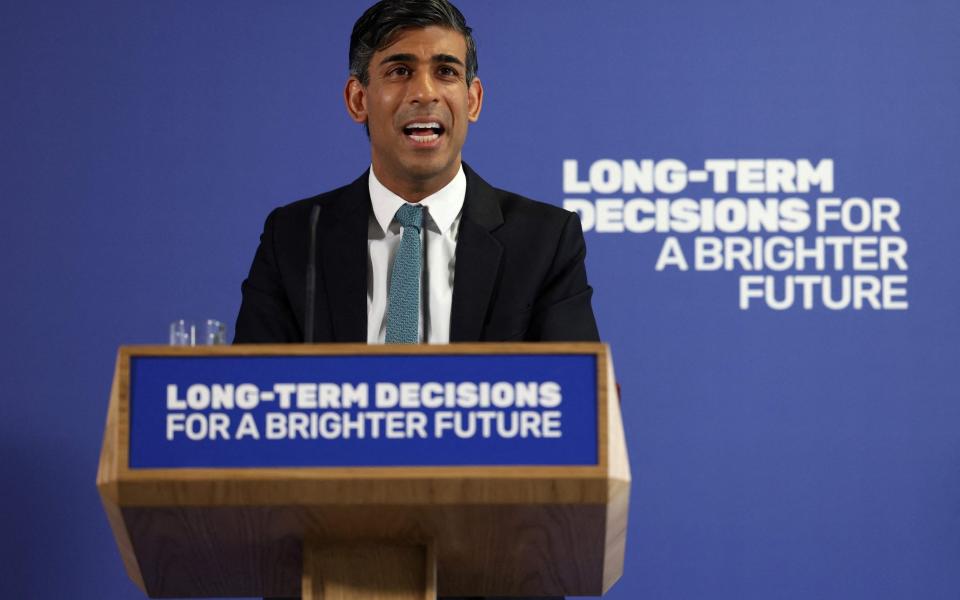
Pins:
x: 363, y: 410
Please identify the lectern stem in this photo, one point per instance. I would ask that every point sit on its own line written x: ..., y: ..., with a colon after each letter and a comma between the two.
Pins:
x: 372, y: 571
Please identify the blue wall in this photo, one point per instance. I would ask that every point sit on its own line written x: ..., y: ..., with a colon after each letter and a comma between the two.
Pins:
x: 776, y: 454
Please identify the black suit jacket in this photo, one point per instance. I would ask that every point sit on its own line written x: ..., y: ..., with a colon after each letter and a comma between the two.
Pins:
x: 519, y: 274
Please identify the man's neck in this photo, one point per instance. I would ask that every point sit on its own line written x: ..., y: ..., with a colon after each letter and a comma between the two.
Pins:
x: 413, y: 189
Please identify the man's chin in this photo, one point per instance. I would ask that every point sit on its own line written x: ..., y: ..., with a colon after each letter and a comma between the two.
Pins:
x: 430, y: 170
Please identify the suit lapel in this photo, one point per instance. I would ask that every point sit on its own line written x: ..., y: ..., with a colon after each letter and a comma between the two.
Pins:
x: 343, y: 252
x: 478, y: 260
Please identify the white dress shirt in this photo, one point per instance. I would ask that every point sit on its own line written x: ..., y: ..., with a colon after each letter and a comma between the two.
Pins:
x: 441, y: 225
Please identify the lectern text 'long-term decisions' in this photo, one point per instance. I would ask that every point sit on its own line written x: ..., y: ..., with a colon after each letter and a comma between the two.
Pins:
x: 355, y: 471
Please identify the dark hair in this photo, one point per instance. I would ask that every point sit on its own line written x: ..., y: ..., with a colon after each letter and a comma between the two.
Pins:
x: 379, y: 25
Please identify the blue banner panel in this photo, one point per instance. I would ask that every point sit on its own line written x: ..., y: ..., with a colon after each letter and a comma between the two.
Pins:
x: 364, y: 410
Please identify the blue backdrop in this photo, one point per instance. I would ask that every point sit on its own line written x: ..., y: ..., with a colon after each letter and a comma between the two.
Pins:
x: 776, y: 454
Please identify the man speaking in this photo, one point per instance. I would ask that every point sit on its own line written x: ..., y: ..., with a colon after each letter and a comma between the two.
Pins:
x: 419, y: 248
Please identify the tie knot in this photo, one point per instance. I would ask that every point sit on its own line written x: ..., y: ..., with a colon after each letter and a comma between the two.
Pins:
x: 410, y: 215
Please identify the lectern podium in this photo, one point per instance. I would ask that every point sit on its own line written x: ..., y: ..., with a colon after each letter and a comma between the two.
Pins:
x: 355, y: 471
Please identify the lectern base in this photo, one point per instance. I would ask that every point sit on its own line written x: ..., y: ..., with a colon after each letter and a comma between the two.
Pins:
x: 371, y: 571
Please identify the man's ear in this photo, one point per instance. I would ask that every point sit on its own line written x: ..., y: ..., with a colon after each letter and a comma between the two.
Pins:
x: 355, y: 97
x: 474, y: 100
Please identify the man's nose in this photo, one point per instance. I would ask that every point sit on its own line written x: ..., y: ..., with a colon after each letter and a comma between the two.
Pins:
x: 423, y: 88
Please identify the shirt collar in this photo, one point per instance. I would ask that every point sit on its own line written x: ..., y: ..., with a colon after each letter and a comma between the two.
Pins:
x: 443, y: 206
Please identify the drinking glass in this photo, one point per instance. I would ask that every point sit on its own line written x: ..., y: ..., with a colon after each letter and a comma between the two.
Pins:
x: 183, y: 333
x: 214, y: 333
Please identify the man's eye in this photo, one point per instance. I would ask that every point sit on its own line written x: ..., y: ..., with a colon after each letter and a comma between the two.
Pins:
x: 400, y: 71
x: 448, y: 72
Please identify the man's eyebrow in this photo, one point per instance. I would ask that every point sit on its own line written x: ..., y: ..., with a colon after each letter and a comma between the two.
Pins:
x: 446, y: 58
x: 399, y: 58
x: 436, y: 58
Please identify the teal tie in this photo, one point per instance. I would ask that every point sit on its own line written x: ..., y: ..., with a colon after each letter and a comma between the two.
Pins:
x: 403, y: 308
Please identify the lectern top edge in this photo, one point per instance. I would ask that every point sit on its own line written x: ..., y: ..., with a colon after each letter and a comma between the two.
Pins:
x: 597, y: 348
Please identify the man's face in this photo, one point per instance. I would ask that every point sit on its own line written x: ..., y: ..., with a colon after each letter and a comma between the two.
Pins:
x: 417, y: 105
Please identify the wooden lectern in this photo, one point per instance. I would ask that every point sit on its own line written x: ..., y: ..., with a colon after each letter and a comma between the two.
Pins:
x: 393, y: 532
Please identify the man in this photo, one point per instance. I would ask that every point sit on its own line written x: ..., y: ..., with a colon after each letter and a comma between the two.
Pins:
x: 419, y: 248
x: 495, y: 266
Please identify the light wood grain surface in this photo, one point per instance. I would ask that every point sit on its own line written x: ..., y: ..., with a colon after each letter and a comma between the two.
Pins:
x: 368, y: 571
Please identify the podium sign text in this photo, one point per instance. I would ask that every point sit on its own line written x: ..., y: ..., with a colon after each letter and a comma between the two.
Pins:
x: 363, y: 410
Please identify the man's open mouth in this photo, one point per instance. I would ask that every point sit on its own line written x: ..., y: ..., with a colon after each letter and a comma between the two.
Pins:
x: 423, y: 132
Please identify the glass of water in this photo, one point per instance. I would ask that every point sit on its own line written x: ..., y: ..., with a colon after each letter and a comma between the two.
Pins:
x: 183, y: 333
x: 214, y: 333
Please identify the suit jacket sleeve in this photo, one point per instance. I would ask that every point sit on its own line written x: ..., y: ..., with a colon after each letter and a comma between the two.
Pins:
x: 562, y: 310
x: 266, y: 315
